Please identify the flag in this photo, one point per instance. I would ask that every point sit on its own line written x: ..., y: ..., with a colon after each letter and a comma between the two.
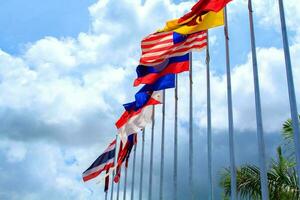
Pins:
x: 104, y: 162
x: 165, y: 82
x: 106, y: 181
x: 132, y: 121
x: 124, y: 154
x: 202, y: 7
x: 196, y: 23
x: 150, y: 74
x: 158, y: 47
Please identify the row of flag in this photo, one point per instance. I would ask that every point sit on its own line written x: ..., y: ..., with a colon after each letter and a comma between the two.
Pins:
x: 165, y: 53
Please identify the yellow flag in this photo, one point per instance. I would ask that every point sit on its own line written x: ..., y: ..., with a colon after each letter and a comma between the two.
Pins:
x: 200, y: 23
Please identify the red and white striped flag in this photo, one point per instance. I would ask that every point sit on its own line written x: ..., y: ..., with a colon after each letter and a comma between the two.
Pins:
x: 158, y: 47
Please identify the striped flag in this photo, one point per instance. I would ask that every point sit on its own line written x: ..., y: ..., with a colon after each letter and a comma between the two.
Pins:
x: 158, y: 47
x: 103, y: 163
x: 150, y: 74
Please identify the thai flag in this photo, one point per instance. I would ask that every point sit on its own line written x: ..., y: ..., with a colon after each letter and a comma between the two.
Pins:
x: 124, y: 154
x: 150, y: 74
x: 103, y: 163
x: 158, y: 47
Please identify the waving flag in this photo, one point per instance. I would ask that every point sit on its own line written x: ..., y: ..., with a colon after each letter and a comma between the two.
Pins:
x: 202, y: 7
x: 150, y: 74
x: 158, y: 47
x: 132, y: 121
x: 196, y: 23
x: 124, y: 154
x: 102, y: 163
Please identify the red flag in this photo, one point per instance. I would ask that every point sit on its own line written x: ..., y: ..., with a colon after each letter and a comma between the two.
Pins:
x: 118, y: 171
x: 203, y: 6
x: 106, y: 182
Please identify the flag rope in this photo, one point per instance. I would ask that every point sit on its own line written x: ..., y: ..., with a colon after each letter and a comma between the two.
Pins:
x: 291, y: 87
x: 162, y: 147
x: 209, y: 136
x: 230, y: 113
x: 259, y: 122
x: 142, y: 165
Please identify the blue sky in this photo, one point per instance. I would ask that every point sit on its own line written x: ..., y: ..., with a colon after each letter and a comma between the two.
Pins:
x: 66, y: 67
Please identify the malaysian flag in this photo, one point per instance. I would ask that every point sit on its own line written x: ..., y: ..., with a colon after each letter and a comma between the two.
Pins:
x: 158, y: 47
x: 103, y: 163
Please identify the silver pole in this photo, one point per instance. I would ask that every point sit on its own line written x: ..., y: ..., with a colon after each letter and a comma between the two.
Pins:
x: 209, y: 134
x: 162, y: 148
x: 133, y: 173
x: 112, y: 182
x: 125, y: 184
x: 118, y: 190
x: 259, y: 123
x: 151, y: 155
x: 191, y: 128
x: 291, y: 88
x: 230, y: 114
x: 175, y: 139
x: 142, y: 166
x: 106, y: 195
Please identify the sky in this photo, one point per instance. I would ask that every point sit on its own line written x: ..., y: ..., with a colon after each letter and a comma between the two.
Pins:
x: 66, y: 68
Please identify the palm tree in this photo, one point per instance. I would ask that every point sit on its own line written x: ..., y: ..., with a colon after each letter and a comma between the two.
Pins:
x: 282, y: 177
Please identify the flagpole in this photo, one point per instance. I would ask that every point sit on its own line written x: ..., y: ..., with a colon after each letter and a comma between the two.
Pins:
x: 133, y: 172
x: 259, y: 123
x: 118, y: 190
x: 125, y: 184
x: 209, y: 142
x: 112, y: 182
x: 175, y: 139
x: 162, y: 147
x: 142, y: 166
x: 151, y: 155
x: 230, y: 113
x: 191, y: 127
x: 106, y: 195
x: 291, y: 88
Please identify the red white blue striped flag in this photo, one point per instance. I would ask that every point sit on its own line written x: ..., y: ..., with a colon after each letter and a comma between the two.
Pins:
x: 158, y: 47
x: 103, y: 163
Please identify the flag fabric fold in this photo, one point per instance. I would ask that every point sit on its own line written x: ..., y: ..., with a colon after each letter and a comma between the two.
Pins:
x: 124, y: 154
x: 196, y: 23
x: 104, y: 162
x: 150, y: 74
x: 158, y: 47
x: 132, y: 121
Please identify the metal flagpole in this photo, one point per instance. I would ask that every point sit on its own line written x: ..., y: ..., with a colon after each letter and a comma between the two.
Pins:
x: 209, y: 142
x: 118, y: 190
x: 291, y: 88
x: 230, y: 114
x: 162, y: 147
x: 142, y: 166
x: 259, y: 123
x: 125, y: 184
x: 175, y: 139
x: 151, y: 155
x: 106, y: 195
x: 112, y: 182
x: 191, y: 128
x: 133, y: 172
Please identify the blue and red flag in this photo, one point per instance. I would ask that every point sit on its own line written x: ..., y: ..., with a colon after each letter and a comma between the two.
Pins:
x: 103, y: 163
x: 150, y: 74
x: 124, y: 154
